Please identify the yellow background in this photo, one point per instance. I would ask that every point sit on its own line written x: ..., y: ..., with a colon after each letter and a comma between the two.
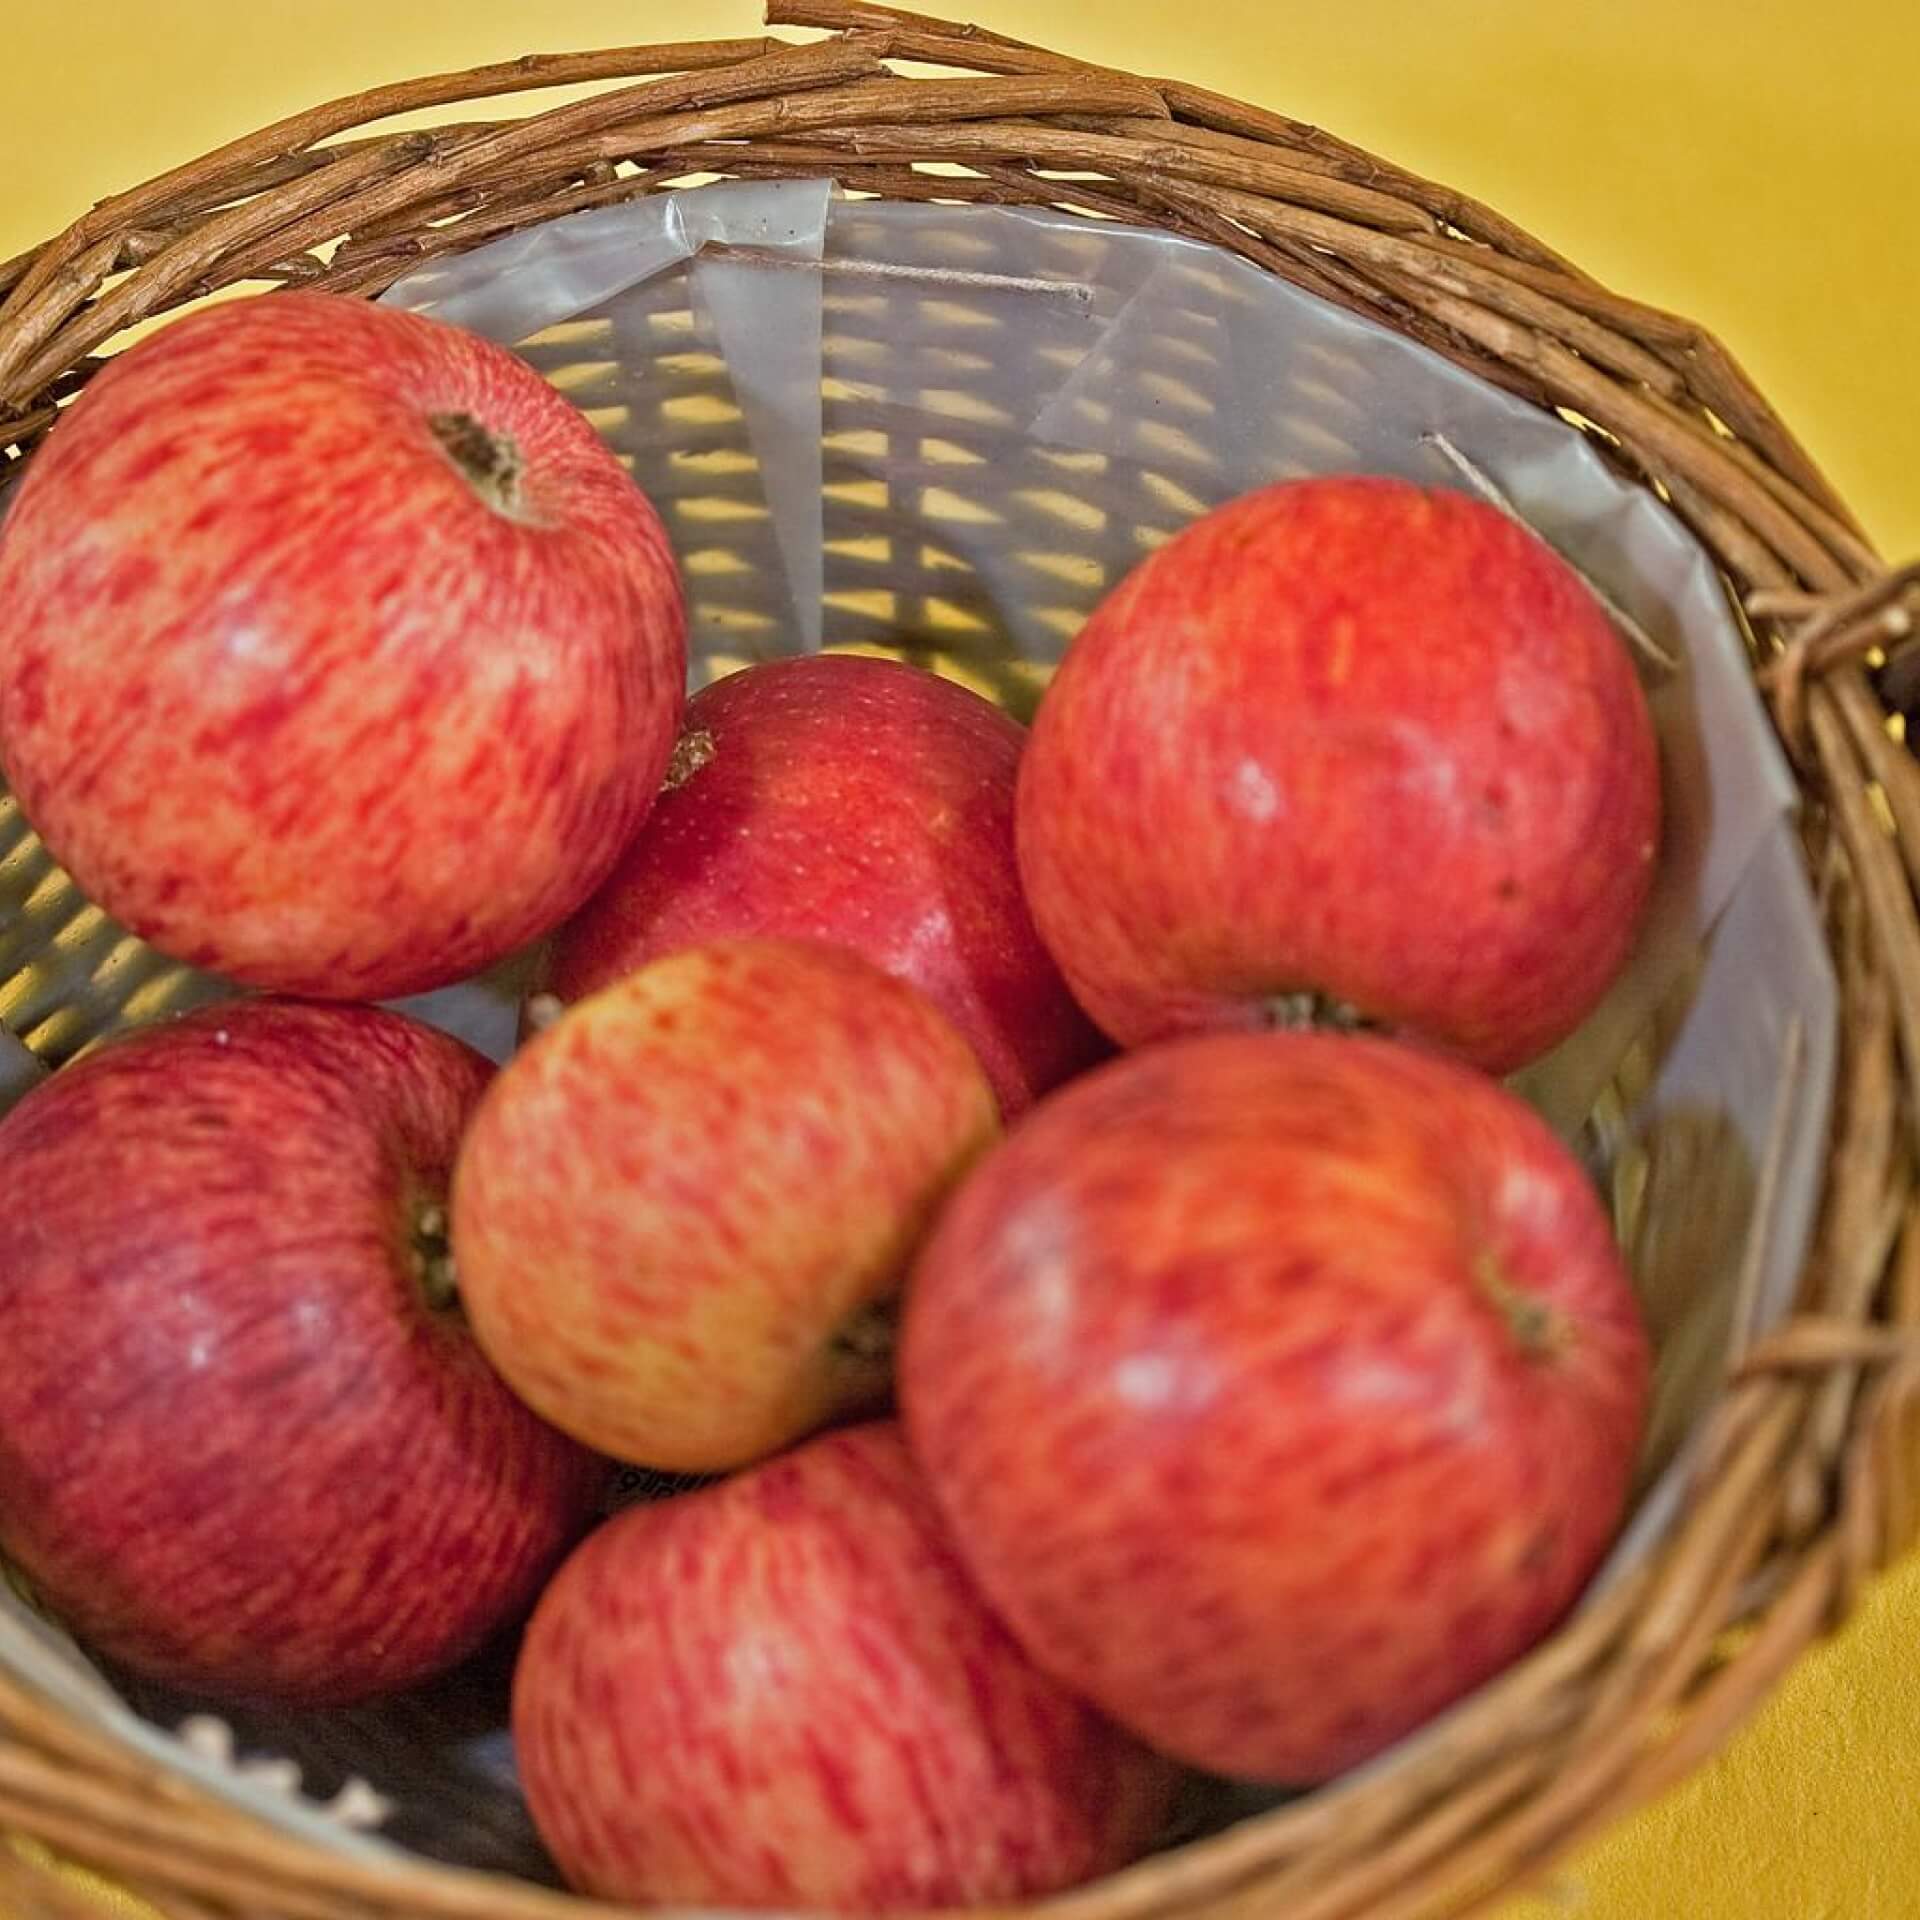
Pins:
x: 1754, y: 165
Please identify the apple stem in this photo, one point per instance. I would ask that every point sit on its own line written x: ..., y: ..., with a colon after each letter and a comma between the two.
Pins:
x: 490, y: 462
x: 691, y: 752
x: 543, y: 1010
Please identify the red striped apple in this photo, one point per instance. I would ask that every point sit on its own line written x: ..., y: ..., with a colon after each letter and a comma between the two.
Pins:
x: 245, y: 1447
x: 862, y: 802
x: 339, y: 657
x: 683, y: 1210
x: 1344, y: 750
x: 783, y: 1691
x: 1278, y: 1388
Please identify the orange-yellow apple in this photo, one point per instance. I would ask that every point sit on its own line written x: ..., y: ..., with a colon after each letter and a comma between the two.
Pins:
x: 683, y: 1210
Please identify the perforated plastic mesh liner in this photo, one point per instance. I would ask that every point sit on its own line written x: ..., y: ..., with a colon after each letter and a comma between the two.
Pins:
x: 945, y: 433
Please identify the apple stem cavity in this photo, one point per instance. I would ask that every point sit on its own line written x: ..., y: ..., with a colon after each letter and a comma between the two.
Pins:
x: 1537, y: 1329
x: 1316, y: 1012
x: 430, y: 1256
x: 490, y: 462
x: 863, y: 1346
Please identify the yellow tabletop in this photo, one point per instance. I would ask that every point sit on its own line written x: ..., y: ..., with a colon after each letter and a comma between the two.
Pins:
x: 1753, y: 164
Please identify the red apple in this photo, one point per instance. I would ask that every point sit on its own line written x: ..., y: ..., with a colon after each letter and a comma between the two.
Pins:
x: 683, y: 1210
x: 783, y: 1691
x: 1279, y: 1389
x: 856, y: 801
x: 339, y: 656
x: 242, y: 1450
x: 1344, y: 748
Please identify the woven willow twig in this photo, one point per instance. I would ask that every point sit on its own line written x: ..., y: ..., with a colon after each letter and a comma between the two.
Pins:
x: 1810, y: 1482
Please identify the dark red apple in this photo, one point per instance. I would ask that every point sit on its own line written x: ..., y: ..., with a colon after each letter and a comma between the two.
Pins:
x: 682, y: 1211
x: 339, y: 655
x: 1279, y: 1389
x: 243, y: 1447
x: 1341, y: 749
x: 857, y: 801
x: 783, y: 1691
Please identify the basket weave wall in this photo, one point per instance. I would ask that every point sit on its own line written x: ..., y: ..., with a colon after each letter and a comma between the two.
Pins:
x: 1809, y: 1481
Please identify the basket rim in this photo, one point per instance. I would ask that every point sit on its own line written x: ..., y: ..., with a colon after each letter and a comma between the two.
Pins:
x: 1803, y: 1493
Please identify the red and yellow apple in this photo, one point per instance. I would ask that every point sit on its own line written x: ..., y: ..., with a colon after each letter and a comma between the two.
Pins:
x: 862, y: 802
x: 1278, y: 1389
x: 339, y: 656
x: 683, y: 1210
x: 1344, y: 750
x: 245, y: 1448
x: 784, y: 1691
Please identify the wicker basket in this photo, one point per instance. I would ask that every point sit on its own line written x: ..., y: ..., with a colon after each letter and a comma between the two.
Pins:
x: 1802, y: 1486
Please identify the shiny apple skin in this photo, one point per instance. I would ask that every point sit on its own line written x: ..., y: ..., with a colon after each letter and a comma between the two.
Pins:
x: 862, y: 802
x: 1344, y: 747
x: 1279, y: 1389
x: 239, y: 1450
x: 283, y: 690
x: 784, y: 1691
